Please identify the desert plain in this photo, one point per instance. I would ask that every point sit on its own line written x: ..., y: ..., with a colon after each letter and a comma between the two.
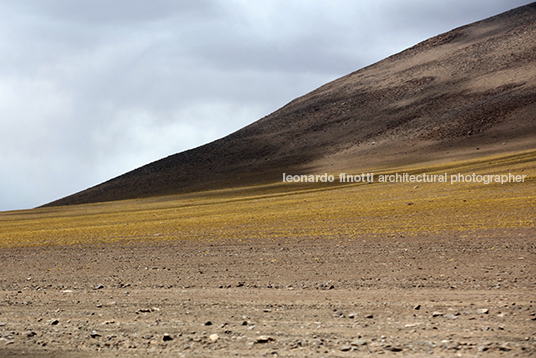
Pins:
x: 288, y: 269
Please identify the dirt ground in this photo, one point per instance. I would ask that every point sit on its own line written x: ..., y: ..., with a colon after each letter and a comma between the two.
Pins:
x: 455, y: 294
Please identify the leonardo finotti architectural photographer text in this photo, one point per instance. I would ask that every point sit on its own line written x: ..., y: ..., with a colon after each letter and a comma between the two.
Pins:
x: 405, y: 178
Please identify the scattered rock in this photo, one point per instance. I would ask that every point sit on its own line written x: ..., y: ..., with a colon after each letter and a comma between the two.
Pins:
x: 393, y: 348
x: 437, y: 314
x: 358, y: 342
x: 505, y: 347
x: 346, y: 348
x: 482, y: 311
x: 214, y: 337
x: 95, y: 334
x: 99, y: 286
x: 53, y: 322
x: 264, y: 339
x: 417, y: 307
x: 147, y: 310
x: 338, y: 314
x: 208, y: 323
x: 410, y: 325
x: 6, y: 341
x: 352, y: 315
x: 369, y: 316
x: 166, y: 337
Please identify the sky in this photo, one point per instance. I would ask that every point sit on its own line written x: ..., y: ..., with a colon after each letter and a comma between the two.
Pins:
x: 92, y: 89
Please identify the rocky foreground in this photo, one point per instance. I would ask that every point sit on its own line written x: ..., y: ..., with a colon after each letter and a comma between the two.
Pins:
x: 446, y: 295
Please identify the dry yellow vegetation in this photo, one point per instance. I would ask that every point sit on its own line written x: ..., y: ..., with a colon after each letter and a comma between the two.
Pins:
x: 341, y: 211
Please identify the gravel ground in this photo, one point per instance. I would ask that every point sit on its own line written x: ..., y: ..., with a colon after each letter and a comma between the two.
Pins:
x: 446, y: 295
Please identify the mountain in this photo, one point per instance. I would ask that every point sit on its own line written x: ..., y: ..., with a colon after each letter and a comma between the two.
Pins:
x: 462, y: 93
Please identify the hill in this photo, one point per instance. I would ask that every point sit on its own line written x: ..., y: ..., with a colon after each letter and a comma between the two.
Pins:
x: 462, y: 93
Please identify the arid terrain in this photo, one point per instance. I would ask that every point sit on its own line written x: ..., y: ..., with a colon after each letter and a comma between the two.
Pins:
x: 399, y: 269
x: 445, y: 296
x: 209, y: 253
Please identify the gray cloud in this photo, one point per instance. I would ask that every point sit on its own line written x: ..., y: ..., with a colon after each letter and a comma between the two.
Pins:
x: 92, y: 89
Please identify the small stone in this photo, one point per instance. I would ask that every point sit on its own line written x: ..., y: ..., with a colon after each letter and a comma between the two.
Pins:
x: 208, y: 323
x: 369, y: 316
x: 352, y: 315
x: 417, y: 307
x: 437, y: 314
x: 214, y: 337
x: 505, y: 347
x: 393, y: 348
x: 411, y: 325
x: 450, y: 315
x: 53, y: 322
x: 338, y: 314
x: 95, y: 334
x: 264, y: 339
x: 358, y: 342
x: 482, y: 311
x: 99, y: 286
x: 166, y: 337
x: 346, y: 348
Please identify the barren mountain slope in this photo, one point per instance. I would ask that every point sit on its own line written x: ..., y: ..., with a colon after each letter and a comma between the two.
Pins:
x: 475, y: 85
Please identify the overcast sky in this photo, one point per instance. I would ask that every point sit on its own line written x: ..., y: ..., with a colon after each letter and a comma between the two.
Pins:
x: 91, y: 89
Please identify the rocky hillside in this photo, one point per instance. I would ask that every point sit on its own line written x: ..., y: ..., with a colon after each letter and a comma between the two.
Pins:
x: 473, y: 85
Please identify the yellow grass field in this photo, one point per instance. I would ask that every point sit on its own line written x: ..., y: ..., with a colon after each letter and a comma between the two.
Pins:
x: 332, y: 210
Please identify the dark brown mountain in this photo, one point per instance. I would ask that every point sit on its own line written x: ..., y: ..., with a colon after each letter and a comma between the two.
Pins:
x: 472, y: 87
